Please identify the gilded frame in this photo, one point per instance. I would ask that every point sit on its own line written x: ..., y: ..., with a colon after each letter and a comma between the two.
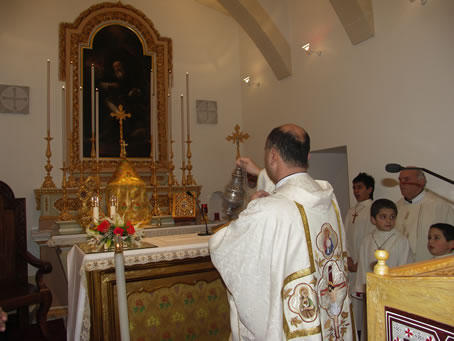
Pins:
x: 74, y: 37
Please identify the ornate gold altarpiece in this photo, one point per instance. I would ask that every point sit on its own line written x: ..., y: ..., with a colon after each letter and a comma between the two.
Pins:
x: 414, y: 302
x: 65, y: 203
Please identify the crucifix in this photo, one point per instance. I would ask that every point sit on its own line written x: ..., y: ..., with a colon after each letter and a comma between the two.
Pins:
x: 121, y: 115
x: 237, y: 137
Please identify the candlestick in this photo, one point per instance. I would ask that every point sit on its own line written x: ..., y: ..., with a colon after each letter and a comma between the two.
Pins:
x: 48, y: 96
x: 97, y: 125
x: 81, y: 102
x: 182, y: 127
x: 187, y: 103
x: 92, y: 99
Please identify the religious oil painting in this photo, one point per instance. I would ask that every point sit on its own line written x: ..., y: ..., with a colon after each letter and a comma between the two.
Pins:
x: 122, y: 75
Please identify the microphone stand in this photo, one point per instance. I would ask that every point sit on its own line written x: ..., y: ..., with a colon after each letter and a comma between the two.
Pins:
x: 397, y: 168
x: 206, y: 233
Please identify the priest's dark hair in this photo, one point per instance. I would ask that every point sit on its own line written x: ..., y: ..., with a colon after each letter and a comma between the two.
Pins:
x: 367, y: 180
x: 378, y: 204
x: 294, y: 149
x: 446, y: 229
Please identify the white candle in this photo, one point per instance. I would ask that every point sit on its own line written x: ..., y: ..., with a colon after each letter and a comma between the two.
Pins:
x: 151, y: 112
x: 63, y: 113
x: 92, y: 99
x: 187, y: 102
x: 112, y: 211
x: 97, y: 125
x: 169, y: 101
x: 81, y: 104
x: 95, y: 214
x: 48, y: 96
x: 121, y: 295
x: 169, y: 80
x: 182, y: 128
x: 71, y: 89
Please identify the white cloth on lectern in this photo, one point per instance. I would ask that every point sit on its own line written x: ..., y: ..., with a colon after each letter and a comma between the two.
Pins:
x: 414, y: 221
x: 278, y: 280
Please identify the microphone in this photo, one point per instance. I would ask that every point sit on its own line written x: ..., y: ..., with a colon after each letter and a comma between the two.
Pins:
x: 393, y: 168
x: 206, y: 233
x: 396, y: 168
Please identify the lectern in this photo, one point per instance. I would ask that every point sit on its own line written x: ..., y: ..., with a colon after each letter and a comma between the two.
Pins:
x: 412, y: 302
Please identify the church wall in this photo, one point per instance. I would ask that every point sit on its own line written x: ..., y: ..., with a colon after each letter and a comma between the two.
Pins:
x: 388, y: 99
x: 205, y: 44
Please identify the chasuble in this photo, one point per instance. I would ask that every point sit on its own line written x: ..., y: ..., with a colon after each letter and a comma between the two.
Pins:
x: 284, y: 264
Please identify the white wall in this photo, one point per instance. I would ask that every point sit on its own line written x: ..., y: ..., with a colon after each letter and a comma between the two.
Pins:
x: 205, y: 44
x: 388, y: 99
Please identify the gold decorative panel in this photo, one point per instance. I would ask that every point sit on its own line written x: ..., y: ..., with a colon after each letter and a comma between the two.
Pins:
x: 176, y: 300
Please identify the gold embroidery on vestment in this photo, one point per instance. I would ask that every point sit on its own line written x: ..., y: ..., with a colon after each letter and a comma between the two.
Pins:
x: 339, y: 224
x: 304, y: 332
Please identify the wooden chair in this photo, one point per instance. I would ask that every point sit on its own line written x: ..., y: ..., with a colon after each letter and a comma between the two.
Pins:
x: 15, y: 291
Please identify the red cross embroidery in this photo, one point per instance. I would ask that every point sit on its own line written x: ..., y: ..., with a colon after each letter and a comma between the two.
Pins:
x: 408, y: 332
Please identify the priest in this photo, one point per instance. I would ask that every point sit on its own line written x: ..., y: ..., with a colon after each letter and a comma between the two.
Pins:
x: 284, y: 260
x: 418, y: 210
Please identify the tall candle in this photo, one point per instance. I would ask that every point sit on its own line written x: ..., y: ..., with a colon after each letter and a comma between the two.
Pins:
x: 48, y: 96
x: 71, y: 90
x: 92, y: 99
x: 151, y: 112
x: 187, y: 102
x: 169, y: 101
x: 97, y: 125
x: 182, y: 128
x: 81, y: 103
x: 63, y: 113
x: 121, y: 291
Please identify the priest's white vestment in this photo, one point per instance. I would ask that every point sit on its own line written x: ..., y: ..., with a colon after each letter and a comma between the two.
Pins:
x: 284, y: 264
x: 414, y: 220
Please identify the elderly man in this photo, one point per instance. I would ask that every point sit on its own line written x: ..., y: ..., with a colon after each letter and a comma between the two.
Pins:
x: 417, y: 210
x: 284, y: 259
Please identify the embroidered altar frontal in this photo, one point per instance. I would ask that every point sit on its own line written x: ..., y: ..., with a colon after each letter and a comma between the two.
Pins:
x: 176, y: 300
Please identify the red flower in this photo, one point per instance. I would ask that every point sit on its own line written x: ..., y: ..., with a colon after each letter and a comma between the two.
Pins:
x: 118, y: 230
x: 165, y: 299
x: 103, y: 227
x: 130, y: 228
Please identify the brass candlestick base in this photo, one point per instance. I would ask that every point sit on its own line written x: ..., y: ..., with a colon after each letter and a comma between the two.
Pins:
x: 64, y: 215
x: 189, y: 178
x: 48, y: 182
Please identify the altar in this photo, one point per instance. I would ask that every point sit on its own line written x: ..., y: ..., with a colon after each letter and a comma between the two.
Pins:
x: 173, y: 292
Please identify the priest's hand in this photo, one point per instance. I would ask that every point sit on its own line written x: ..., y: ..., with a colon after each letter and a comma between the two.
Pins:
x: 352, y: 266
x: 249, y: 165
x: 259, y: 194
x: 3, y: 319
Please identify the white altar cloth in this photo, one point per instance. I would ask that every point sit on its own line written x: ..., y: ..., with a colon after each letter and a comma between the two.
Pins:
x: 169, y: 248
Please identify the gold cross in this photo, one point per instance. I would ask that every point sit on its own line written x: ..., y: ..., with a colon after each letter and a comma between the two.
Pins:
x: 121, y: 115
x: 237, y: 137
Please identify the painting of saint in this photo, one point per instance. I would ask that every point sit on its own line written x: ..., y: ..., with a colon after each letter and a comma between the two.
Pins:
x: 122, y: 75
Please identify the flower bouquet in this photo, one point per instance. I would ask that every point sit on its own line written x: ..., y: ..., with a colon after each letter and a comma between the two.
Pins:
x: 103, y: 234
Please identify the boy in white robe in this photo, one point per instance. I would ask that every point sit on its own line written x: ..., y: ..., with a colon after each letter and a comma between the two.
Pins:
x: 357, y: 225
x: 383, y: 214
x: 285, y: 281
x: 440, y: 241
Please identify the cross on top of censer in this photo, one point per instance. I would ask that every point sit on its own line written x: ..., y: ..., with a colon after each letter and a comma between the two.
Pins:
x: 237, y: 137
x: 121, y: 115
